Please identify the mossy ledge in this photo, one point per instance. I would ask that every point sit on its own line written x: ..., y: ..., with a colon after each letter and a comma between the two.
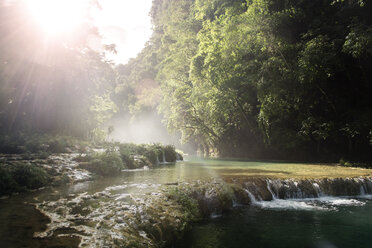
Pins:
x: 20, y: 172
x: 159, y: 218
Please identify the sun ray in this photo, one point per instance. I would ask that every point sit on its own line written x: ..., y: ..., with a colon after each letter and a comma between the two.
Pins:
x: 58, y: 16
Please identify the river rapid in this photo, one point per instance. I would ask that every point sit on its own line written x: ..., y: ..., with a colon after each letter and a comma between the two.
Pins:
x: 273, y: 213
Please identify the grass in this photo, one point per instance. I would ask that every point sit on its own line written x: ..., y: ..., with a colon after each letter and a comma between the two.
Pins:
x: 239, y: 169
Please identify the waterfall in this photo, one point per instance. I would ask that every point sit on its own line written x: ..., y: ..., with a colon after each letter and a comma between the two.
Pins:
x: 317, y: 189
x: 164, y: 161
x: 178, y: 157
x: 157, y: 160
x: 362, y: 190
x: 269, y: 182
x: 251, y: 197
x: 273, y: 189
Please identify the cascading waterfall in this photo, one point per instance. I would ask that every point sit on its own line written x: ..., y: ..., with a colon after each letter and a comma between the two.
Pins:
x: 178, y: 157
x: 272, y: 189
x: 157, y: 160
x: 251, y: 197
x: 164, y: 160
x: 269, y: 182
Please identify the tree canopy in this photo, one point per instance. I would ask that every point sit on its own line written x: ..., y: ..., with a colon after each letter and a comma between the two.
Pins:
x: 253, y: 78
x: 264, y: 78
x: 58, y: 85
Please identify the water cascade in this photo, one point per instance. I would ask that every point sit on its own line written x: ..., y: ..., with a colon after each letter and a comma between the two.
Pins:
x: 153, y: 219
x: 271, y: 189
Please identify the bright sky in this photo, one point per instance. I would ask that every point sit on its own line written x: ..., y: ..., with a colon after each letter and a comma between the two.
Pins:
x: 125, y: 23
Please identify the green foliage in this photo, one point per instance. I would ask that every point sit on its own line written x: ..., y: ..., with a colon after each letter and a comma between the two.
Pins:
x: 29, y: 176
x: 20, y: 176
x: 40, y: 143
x: 7, y: 183
x: 153, y: 154
x: 170, y: 153
x: 128, y: 153
x: 189, y: 204
x: 265, y: 78
x: 120, y: 156
x: 105, y: 164
x: 60, y: 87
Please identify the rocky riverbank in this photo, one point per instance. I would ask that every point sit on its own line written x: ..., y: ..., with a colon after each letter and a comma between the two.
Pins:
x: 30, y: 171
x: 159, y: 215
x: 22, y: 172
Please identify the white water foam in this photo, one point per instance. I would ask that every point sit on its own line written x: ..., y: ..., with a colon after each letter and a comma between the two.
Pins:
x: 118, y: 187
x: 215, y: 216
x: 337, y: 201
x: 309, y: 204
x: 369, y: 197
x: 288, y: 205
x: 122, y: 196
x: 145, y: 168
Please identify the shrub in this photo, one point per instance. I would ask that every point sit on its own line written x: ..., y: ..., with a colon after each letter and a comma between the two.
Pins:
x: 29, y: 176
x: 126, y: 157
x: 152, y: 153
x: 7, y: 183
x: 104, y: 164
x: 21, y: 176
x: 170, y: 153
x: 189, y: 204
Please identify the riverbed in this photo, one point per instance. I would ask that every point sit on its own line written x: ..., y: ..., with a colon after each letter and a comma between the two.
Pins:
x: 108, y: 203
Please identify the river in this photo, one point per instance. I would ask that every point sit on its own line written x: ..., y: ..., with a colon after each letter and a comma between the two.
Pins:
x: 324, y: 222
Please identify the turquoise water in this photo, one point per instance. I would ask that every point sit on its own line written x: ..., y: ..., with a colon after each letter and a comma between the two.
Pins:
x: 332, y: 223
x: 319, y: 223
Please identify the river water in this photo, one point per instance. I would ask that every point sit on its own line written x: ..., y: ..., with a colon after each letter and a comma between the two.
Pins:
x: 331, y: 223
x: 325, y: 222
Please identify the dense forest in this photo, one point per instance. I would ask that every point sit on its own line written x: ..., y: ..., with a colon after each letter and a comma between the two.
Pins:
x: 60, y: 85
x: 243, y: 78
x: 264, y: 79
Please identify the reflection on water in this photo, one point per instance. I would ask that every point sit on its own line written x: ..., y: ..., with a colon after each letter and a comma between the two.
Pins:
x: 277, y: 223
x: 346, y: 224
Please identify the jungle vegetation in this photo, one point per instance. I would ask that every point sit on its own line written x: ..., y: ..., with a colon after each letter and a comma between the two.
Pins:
x: 267, y: 79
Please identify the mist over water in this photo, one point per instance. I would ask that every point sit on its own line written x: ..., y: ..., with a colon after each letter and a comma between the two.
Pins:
x: 145, y: 129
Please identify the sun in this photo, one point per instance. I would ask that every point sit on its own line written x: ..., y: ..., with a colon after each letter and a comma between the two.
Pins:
x: 58, y: 16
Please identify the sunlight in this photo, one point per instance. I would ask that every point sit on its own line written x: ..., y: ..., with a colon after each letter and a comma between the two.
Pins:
x: 58, y: 16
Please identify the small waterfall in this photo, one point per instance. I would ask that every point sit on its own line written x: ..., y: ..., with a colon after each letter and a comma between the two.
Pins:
x: 157, y: 160
x: 178, y: 157
x: 251, y: 197
x: 269, y: 182
x: 362, y: 190
x: 317, y: 189
x: 164, y: 161
x: 269, y: 189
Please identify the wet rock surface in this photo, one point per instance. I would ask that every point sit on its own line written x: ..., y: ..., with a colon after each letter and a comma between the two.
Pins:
x: 156, y: 215
x: 61, y: 167
x: 114, y: 218
x: 141, y: 209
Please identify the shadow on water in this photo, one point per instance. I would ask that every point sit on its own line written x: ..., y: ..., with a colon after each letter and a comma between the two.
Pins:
x: 20, y: 220
x: 253, y: 227
x: 349, y: 226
